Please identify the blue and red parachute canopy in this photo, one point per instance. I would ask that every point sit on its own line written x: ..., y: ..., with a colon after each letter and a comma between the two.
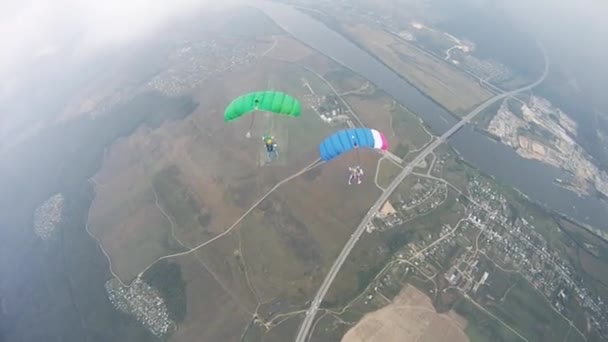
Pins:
x: 348, y: 139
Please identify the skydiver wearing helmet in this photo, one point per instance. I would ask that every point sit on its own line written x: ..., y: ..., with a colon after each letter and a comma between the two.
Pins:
x: 271, y: 147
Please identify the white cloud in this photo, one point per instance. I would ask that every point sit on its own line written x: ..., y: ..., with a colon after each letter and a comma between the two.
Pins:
x: 33, y: 29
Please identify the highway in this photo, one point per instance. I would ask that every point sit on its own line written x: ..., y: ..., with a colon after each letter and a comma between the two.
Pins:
x: 314, y: 306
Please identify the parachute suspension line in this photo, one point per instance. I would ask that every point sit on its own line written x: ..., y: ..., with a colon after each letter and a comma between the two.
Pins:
x: 248, y: 135
x: 256, y: 102
x: 356, y: 150
x: 269, y: 124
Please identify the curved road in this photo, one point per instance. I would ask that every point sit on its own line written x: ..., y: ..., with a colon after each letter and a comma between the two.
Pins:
x: 314, y: 306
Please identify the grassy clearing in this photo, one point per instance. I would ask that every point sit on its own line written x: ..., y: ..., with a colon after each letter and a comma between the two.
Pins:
x: 131, y: 223
x: 365, y: 261
x: 387, y: 172
x: 424, y: 165
x: 344, y: 80
x: 226, y: 261
x: 525, y: 310
x: 291, y: 240
x: 587, y: 253
x: 501, y: 282
x: 328, y: 328
x: 575, y: 337
x: 409, y: 128
x: 482, y: 327
x: 213, y: 312
x: 284, y: 331
x: 281, y: 253
x: 177, y: 200
x: 288, y: 49
x: 434, y: 40
x: 455, y: 90
x: 166, y: 277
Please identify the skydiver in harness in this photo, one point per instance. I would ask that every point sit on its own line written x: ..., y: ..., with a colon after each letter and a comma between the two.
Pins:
x: 271, y: 147
x: 355, y: 172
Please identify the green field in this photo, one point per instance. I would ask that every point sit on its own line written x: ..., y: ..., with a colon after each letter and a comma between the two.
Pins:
x: 526, y: 311
x: 433, y: 40
x: 344, y: 79
x: 387, y: 172
x: 451, y: 88
x: 329, y: 328
x: 409, y: 128
x: 285, y: 330
x: 177, y: 200
x: 167, y: 278
x: 482, y: 327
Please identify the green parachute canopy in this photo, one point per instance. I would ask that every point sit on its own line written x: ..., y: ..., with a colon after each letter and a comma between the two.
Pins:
x: 269, y: 101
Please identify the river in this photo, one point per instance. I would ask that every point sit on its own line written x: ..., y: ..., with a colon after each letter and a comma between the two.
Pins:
x: 531, y: 177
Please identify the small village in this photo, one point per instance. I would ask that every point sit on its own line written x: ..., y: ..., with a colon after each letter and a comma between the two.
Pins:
x: 329, y: 107
x: 48, y: 216
x: 190, y: 64
x: 142, y: 301
x: 196, y: 62
x: 487, y: 240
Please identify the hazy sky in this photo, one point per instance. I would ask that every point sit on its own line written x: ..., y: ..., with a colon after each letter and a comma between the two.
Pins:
x: 586, y: 18
x: 35, y: 30
x: 577, y: 33
x: 574, y: 32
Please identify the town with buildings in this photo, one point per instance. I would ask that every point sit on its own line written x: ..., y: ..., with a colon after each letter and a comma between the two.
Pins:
x: 329, y: 107
x: 487, y: 70
x: 195, y: 62
x: 538, y: 130
x: 189, y: 65
x: 142, y: 301
x: 487, y: 239
x: 48, y: 216
x: 423, y: 197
